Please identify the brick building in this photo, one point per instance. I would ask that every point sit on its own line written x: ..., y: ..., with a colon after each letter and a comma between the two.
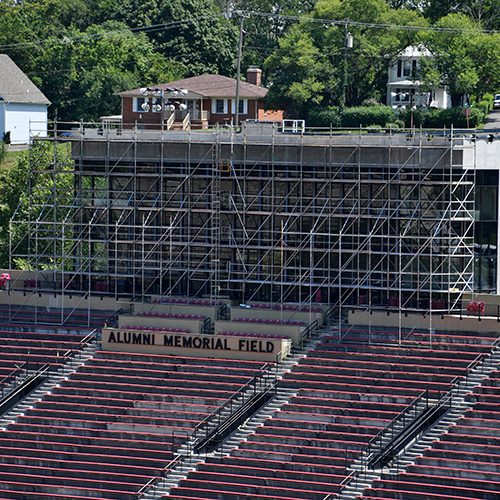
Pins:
x: 208, y: 100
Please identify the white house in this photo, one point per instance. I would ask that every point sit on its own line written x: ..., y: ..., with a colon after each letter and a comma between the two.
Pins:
x: 403, y: 87
x: 23, y: 108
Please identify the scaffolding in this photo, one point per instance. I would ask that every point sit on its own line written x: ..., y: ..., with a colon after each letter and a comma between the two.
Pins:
x: 353, y: 218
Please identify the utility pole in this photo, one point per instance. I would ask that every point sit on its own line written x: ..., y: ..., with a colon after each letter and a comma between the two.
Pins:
x: 348, y: 42
x: 238, y: 70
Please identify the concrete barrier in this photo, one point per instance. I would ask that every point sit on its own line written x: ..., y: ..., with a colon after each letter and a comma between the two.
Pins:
x: 35, y: 299
x: 448, y: 322
x: 186, y: 344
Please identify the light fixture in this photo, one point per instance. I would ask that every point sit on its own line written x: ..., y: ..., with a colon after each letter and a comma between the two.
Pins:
x: 349, y: 40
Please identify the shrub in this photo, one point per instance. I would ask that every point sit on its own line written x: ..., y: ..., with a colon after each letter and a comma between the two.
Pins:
x: 325, y: 117
x: 418, y: 117
x: 489, y: 98
x: 367, y: 115
x: 438, y: 118
x: 6, y: 137
x: 484, y: 106
x: 2, y: 151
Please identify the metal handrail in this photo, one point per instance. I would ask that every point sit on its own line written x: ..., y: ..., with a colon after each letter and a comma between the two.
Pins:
x: 13, y: 376
x: 446, y: 399
x: 308, y: 331
x: 26, y: 365
x: 156, y: 479
x: 268, y: 368
x: 406, y: 410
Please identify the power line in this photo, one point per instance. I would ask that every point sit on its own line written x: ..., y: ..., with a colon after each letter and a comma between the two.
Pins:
x: 283, y: 17
x: 343, y: 22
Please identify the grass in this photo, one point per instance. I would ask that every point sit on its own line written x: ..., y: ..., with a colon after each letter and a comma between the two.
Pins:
x: 10, y: 160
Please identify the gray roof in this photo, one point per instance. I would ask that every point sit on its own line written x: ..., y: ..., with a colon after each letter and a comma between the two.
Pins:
x: 15, y: 86
x: 210, y: 86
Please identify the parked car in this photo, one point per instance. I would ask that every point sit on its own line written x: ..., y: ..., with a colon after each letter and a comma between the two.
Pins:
x: 496, y: 101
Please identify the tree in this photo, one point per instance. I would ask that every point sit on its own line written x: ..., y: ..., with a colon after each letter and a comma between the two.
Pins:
x: 196, y: 34
x: 465, y: 59
x: 485, y: 12
x: 307, y: 68
x: 17, y: 199
x: 81, y: 71
x: 80, y: 59
x: 262, y: 32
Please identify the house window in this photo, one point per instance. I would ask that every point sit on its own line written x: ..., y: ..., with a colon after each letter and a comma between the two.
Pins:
x: 407, y: 65
x: 137, y: 105
x: 219, y: 106
x: 242, y: 108
x: 401, y: 95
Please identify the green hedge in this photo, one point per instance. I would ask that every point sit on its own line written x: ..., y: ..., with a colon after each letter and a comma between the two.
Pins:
x: 384, y: 116
x: 325, y: 117
x: 439, y: 118
x: 367, y: 115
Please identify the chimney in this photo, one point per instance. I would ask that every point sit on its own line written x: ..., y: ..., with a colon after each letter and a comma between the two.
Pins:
x: 254, y: 75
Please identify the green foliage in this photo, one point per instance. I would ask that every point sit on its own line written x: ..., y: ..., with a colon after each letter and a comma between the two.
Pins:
x: 486, y: 104
x: 484, y: 11
x: 439, y: 118
x: 25, y: 187
x: 3, y: 151
x: 307, y: 68
x: 466, y: 62
x: 203, y: 42
x: 367, y: 115
x: 325, y: 117
x: 263, y: 33
x: 81, y: 53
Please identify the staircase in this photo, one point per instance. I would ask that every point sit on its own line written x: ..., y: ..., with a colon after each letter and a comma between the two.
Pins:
x: 53, y: 379
x: 187, y: 459
x: 363, y: 473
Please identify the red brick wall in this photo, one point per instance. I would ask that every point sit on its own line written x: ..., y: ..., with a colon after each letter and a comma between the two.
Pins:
x: 129, y: 117
x: 227, y: 117
x: 255, y: 111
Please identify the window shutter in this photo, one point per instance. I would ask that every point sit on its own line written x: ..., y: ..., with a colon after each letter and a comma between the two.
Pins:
x: 400, y: 66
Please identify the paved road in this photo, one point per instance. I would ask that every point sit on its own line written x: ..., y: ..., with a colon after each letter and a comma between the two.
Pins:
x: 493, y: 119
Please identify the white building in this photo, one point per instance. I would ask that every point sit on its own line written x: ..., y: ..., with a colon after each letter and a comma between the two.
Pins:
x: 23, y: 107
x: 403, y: 87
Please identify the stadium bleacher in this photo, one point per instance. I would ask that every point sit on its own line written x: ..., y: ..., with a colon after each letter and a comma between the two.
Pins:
x: 113, y: 425
x: 464, y: 463
x: 31, y: 350
x: 27, y: 316
x: 119, y: 419
x: 346, y: 393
